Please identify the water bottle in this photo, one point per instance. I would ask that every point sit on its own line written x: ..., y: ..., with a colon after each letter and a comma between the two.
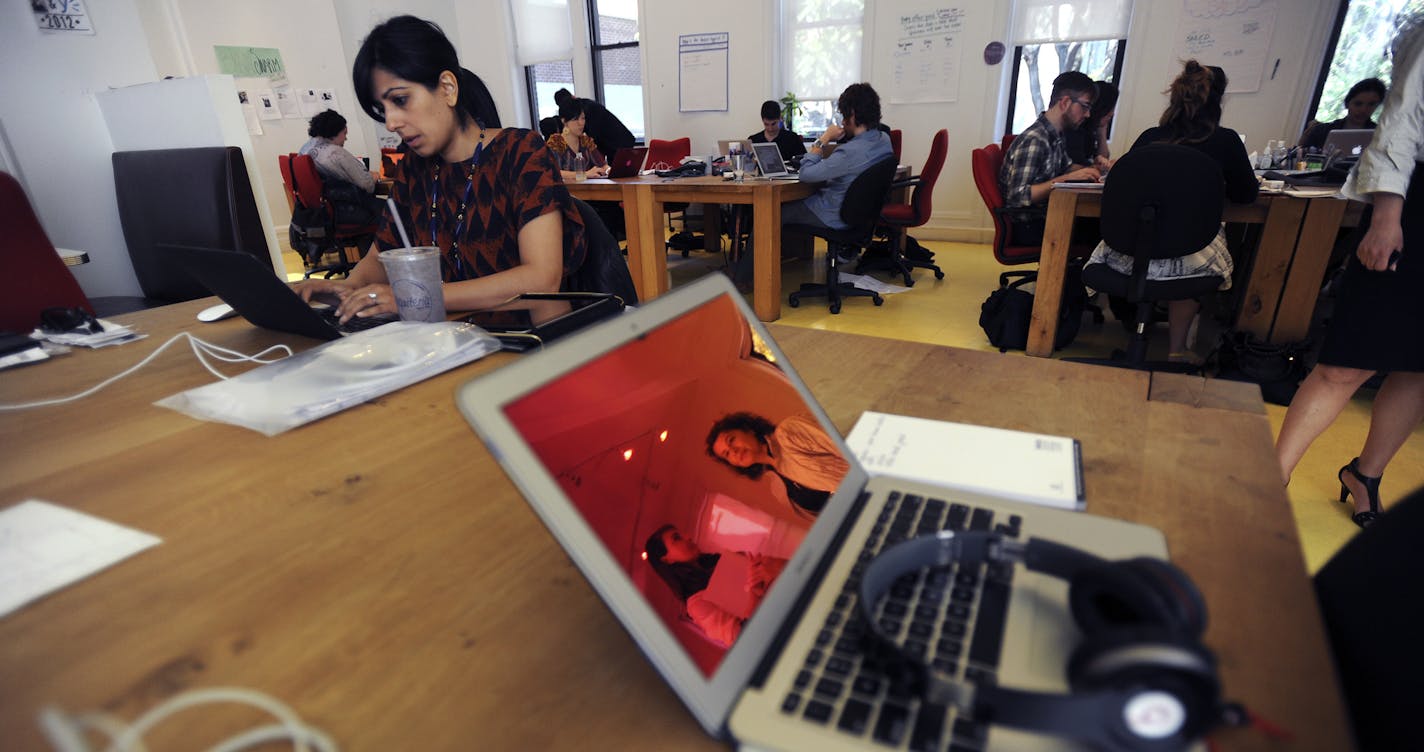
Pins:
x: 579, y: 169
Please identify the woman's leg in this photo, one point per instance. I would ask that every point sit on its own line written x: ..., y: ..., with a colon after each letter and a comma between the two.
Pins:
x: 1315, y: 406
x: 1398, y: 409
x: 1179, y: 322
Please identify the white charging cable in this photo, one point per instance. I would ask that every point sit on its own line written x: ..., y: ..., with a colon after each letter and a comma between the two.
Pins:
x: 202, y: 349
x: 66, y: 733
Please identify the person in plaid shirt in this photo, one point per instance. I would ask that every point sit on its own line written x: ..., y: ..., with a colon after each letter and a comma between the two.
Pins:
x: 1039, y: 157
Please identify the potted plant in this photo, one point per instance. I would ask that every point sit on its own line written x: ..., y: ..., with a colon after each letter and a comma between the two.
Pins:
x: 790, y: 108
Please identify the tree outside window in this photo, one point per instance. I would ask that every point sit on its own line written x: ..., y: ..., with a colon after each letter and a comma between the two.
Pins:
x: 1365, y: 30
x: 1038, y: 64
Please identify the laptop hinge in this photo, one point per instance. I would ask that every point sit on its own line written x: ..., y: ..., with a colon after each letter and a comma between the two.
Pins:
x: 813, y: 584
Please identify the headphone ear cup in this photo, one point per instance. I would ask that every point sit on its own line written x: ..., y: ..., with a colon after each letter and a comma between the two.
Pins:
x: 1139, y: 660
x: 1143, y: 592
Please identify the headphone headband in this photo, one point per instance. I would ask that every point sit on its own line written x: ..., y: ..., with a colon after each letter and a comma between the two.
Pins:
x: 1099, y: 713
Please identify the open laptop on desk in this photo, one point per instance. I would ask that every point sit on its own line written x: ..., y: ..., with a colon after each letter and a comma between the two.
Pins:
x: 627, y: 162
x: 770, y: 163
x: 608, y: 436
x: 258, y: 295
x: 724, y: 145
x: 1349, y: 143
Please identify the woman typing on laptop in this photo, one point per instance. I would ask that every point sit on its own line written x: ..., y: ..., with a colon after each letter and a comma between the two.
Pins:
x: 489, y: 198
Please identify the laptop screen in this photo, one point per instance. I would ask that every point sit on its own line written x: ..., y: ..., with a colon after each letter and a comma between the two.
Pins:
x: 696, y: 462
x: 768, y: 158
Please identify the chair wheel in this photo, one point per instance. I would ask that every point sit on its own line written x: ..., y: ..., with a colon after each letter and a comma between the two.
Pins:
x: 795, y: 302
x: 836, y: 307
x: 909, y: 281
x: 878, y: 300
x: 686, y: 253
x: 939, y: 274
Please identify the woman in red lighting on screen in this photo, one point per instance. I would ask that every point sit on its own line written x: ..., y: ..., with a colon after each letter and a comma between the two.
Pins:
x: 687, y: 570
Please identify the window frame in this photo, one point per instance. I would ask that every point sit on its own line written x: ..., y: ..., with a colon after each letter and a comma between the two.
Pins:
x: 595, y: 48
x: 1121, y: 56
x: 786, y: 31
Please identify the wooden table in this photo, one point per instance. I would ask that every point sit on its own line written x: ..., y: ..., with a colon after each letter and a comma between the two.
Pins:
x: 643, y: 200
x: 1296, y: 238
x: 378, y: 572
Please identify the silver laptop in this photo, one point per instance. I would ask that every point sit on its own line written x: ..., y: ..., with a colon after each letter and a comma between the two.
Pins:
x: 724, y: 145
x: 1349, y: 142
x: 607, y: 436
x: 770, y: 163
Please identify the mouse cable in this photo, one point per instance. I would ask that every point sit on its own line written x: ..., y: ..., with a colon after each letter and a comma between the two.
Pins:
x: 202, y: 349
x: 66, y: 732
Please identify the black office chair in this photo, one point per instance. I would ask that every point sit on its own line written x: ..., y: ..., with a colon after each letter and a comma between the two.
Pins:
x: 604, y: 269
x: 861, y: 211
x: 1160, y: 201
x: 1368, y: 595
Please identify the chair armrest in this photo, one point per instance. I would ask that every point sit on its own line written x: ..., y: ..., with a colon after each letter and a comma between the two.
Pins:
x: 906, y: 182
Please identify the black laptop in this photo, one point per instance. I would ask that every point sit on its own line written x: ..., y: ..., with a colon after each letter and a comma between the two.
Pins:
x: 260, y: 296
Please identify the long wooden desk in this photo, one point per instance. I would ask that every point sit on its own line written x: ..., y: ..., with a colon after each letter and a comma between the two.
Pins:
x: 1296, y: 240
x: 378, y: 572
x: 643, y: 200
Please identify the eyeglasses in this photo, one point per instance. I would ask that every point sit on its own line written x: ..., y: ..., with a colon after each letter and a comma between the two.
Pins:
x: 1087, y: 106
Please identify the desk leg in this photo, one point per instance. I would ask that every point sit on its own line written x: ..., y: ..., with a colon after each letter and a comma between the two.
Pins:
x: 647, y: 254
x: 712, y: 228
x: 1052, y: 266
x: 1272, y: 266
x: 766, y: 250
x: 1312, y: 253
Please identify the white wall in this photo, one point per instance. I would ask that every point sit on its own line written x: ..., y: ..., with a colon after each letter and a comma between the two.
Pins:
x: 59, y: 139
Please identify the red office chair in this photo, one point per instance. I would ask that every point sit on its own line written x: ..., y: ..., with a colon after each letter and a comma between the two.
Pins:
x: 895, y: 139
x: 897, y: 217
x: 29, y: 258
x: 668, y: 155
x: 1006, y: 140
x: 284, y: 165
x: 329, y: 235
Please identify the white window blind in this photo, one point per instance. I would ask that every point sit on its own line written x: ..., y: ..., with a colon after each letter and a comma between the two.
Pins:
x: 542, y: 30
x: 823, y: 46
x: 1043, y: 21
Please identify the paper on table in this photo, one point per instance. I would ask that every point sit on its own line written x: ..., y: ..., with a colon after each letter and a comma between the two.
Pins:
x: 44, y: 547
x: 1029, y: 467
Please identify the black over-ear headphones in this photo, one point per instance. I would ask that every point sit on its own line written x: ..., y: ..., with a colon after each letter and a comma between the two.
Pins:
x: 1140, y: 679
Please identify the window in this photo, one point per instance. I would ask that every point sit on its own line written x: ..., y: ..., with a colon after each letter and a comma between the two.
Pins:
x: 823, y: 49
x: 543, y: 79
x: 1052, y: 37
x: 1364, y: 30
x: 617, y: 60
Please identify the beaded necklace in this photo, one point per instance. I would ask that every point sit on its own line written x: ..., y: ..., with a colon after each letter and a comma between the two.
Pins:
x: 459, y: 270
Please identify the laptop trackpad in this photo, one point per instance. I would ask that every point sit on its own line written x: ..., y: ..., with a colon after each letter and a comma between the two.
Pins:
x: 1039, y: 636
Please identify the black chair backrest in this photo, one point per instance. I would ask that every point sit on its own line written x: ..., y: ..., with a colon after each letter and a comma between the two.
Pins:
x: 603, y: 269
x: 1162, y: 201
x: 198, y: 197
x: 866, y: 196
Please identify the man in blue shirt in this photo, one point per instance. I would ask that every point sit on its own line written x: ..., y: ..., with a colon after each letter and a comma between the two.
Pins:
x: 1039, y: 155
x: 859, y: 144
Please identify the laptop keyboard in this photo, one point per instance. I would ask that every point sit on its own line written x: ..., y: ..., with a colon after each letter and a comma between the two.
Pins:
x: 353, y: 324
x: 952, y: 618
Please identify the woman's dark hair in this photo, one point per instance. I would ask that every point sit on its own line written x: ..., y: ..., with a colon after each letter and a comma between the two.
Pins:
x: 684, y: 577
x: 563, y: 95
x: 861, y: 101
x: 571, y: 108
x: 1194, y: 103
x: 759, y: 426
x: 418, y: 51
x: 1368, y: 85
x: 328, y: 124
x: 1104, y: 101
x: 770, y: 109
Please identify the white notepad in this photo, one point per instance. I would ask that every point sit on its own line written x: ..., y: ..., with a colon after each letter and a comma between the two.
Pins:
x: 1031, y: 467
x: 44, y: 547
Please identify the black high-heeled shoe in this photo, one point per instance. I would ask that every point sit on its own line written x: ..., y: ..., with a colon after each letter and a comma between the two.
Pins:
x: 1371, y: 490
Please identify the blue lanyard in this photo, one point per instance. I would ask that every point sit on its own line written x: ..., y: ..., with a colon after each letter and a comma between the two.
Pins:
x: 459, y: 270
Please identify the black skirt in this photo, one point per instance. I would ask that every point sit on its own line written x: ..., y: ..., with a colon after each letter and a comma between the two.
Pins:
x: 1378, y: 323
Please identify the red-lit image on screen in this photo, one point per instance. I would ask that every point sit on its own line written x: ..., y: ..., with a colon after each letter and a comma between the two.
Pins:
x: 695, y: 461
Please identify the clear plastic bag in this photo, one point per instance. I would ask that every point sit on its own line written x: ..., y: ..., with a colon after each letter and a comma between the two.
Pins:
x: 335, y: 376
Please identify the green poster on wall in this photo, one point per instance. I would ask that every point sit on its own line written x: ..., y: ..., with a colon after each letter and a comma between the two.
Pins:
x: 250, y: 62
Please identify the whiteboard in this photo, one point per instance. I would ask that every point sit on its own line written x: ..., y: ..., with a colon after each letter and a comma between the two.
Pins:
x: 1233, y: 35
x: 702, y: 72
x: 922, y: 42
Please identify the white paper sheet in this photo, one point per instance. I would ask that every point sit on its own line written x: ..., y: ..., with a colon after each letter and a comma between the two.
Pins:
x: 44, y: 547
x: 1036, y: 468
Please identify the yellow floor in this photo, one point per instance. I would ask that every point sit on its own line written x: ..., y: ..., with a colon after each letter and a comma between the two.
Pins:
x: 947, y: 313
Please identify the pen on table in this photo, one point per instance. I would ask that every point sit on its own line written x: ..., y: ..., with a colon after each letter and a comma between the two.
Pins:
x: 1275, y: 68
x: 400, y: 227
